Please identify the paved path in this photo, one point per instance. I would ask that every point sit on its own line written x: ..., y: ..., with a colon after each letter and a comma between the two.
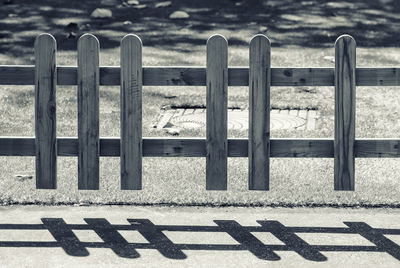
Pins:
x: 128, y: 236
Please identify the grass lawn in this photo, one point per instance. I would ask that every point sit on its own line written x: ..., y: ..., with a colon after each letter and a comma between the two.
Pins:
x: 302, y: 36
x: 182, y: 180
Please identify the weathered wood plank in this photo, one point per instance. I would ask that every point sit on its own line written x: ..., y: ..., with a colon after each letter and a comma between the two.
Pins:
x: 217, y: 113
x: 17, y: 74
x: 302, y: 76
x: 18, y: 146
x: 377, y: 76
x: 88, y: 112
x: 377, y: 148
x: 45, y: 112
x: 345, y: 106
x: 196, y: 147
x: 196, y: 76
x: 131, y: 113
x: 259, y: 112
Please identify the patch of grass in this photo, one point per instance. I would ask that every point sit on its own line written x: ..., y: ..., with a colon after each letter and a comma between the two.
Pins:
x: 182, y: 180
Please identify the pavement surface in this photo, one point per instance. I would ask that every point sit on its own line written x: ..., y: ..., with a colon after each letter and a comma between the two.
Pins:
x: 133, y: 236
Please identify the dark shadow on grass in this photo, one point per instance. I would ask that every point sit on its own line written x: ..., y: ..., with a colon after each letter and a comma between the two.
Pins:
x: 373, y: 23
x: 154, y: 234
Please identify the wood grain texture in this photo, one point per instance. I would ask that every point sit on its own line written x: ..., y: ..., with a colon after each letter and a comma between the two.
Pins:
x: 45, y: 112
x: 217, y: 113
x: 88, y: 112
x: 345, y: 106
x: 259, y: 112
x: 131, y: 113
x: 196, y: 147
x: 196, y: 76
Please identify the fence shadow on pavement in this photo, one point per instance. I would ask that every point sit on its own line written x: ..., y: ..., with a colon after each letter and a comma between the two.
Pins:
x: 247, y: 241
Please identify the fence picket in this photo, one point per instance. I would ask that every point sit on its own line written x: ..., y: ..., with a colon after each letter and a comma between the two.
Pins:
x: 259, y: 112
x: 88, y: 112
x: 131, y: 113
x: 45, y: 112
x: 217, y: 113
x: 131, y: 76
x: 345, y: 98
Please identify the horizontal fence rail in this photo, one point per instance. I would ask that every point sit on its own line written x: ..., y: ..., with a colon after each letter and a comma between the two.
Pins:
x: 216, y: 77
x: 196, y: 76
x: 196, y: 147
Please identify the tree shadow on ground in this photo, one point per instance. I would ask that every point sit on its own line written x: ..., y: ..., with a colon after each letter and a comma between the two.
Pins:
x: 314, y: 23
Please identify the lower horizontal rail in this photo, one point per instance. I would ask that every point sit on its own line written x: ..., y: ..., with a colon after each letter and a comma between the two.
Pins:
x: 196, y: 147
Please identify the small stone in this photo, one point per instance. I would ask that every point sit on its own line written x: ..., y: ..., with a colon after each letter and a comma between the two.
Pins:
x: 127, y: 22
x: 179, y: 15
x: 23, y: 177
x: 85, y: 27
x: 140, y: 6
x: 263, y: 28
x: 329, y: 58
x: 108, y: 2
x: 101, y: 13
x: 163, y: 4
x: 12, y: 15
x: 71, y: 35
x: 132, y: 2
x: 340, y: 4
x: 172, y: 131
x: 238, y: 4
x: 169, y: 125
x: 170, y: 96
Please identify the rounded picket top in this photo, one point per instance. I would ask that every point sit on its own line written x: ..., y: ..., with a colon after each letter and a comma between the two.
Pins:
x: 88, y: 40
x: 345, y: 45
x: 131, y: 39
x: 217, y: 49
x: 217, y: 40
x: 45, y: 39
x: 345, y: 39
x: 261, y: 39
x: 260, y: 43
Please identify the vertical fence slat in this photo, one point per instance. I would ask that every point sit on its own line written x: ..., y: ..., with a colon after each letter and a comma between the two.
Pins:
x: 217, y: 113
x: 131, y: 113
x: 259, y: 112
x: 88, y: 112
x: 345, y: 105
x: 45, y: 112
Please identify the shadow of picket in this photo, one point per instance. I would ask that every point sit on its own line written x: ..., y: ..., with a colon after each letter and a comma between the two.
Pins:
x: 157, y: 240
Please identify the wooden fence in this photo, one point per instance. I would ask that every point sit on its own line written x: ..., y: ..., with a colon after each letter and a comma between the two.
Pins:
x: 216, y: 76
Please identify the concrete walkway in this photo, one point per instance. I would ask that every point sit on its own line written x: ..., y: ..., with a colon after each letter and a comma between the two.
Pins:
x: 128, y: 236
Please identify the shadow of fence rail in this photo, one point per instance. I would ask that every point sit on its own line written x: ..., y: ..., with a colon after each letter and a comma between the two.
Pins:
x: 154, y: 234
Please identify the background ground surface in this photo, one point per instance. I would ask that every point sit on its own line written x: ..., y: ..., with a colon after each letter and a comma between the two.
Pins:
x: 286, y: 22
x: 126, y: 236
x: 302, y: 35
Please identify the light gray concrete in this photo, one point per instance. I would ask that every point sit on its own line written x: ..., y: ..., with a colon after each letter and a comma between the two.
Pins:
x: 185, y: 227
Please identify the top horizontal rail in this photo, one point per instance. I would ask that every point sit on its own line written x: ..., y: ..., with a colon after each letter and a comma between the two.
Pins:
x: 196, y: 76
